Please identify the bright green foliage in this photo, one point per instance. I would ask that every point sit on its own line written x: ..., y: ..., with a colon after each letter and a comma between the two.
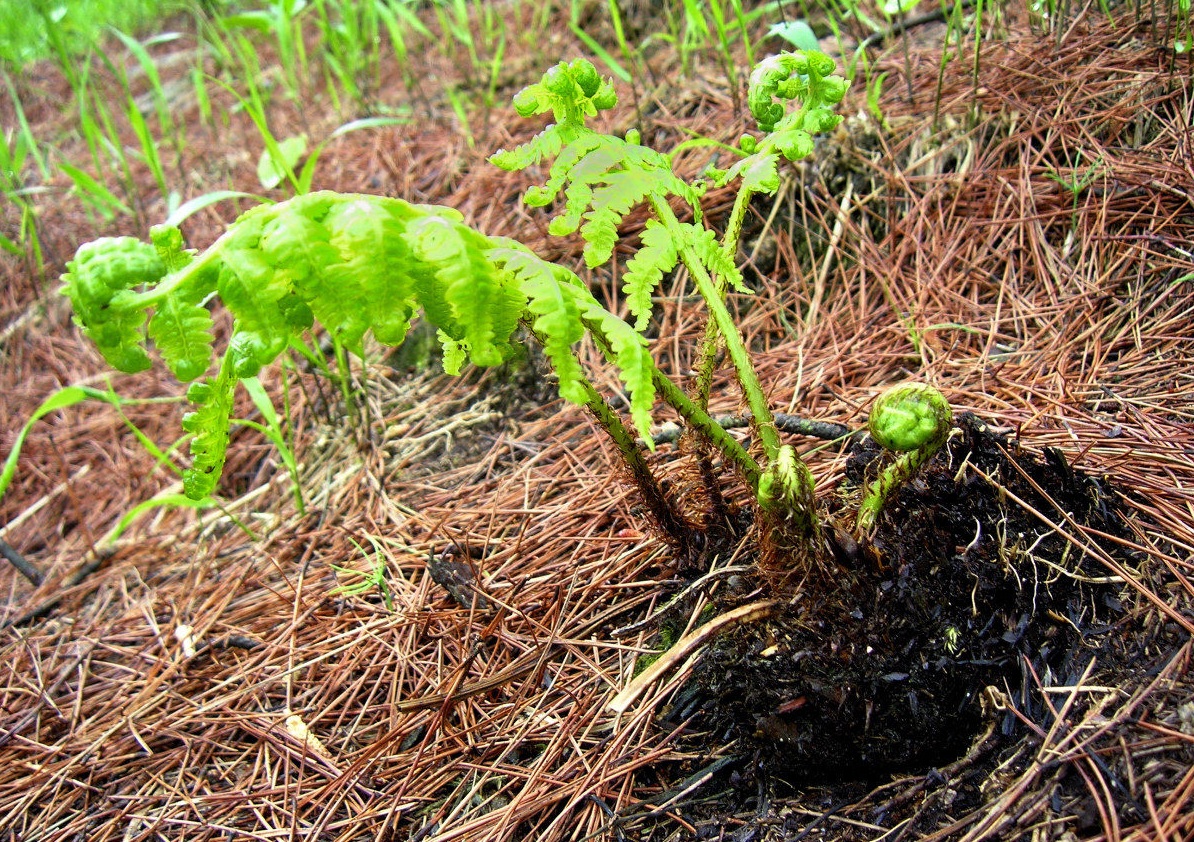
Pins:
x: 910, y: 417
x: 356, y: 263
x: 34, y: 30
x: 803, y: 75
x: 914, y: 420
x: 800, y: 75
x: 101, y: 274
x: 181, y: 329
x: 645, y: 270
x: 716, y: 259
x: 484, y: 306
x: 602, y: 177
x: 208, y: 425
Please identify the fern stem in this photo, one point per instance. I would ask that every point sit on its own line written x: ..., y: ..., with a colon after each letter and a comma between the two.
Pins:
x: 880, y: 489
x: 155, y: 295
x: 696, y: 416
x: 699, y: 419
x: 707, y: 356
x: 735, y: 347
x: 665, y: 517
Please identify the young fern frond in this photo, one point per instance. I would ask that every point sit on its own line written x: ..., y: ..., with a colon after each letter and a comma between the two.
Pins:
x: 208, y: 424
x: 571, y: 92
x: 602, y: 177
x: 280, y: 266
x: 554, y: 313
x: 181, y: 330
x: 566, y: 159
x: 759, y: 173
x: 546, y: 144
x: 254, y: 292
x: 484, y: 308
x: 359, y: 264
x: 656, y: 257
x: 101, y: 273
x: 610, y: 204
x: 563, y: 308
x: 298, y: 245
x: 181, y: 326
x: 714, y: 257
x: 373, y: 267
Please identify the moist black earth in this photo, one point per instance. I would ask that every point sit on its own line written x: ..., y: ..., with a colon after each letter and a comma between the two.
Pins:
x: 966, y: 599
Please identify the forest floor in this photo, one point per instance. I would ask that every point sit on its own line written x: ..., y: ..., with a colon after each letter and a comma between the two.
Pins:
x: 206, y: 675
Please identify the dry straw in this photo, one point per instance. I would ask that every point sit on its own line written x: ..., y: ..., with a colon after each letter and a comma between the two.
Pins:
x: 302, y: 714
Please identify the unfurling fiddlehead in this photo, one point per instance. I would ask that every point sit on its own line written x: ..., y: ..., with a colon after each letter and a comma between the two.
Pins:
x: 913, y: 420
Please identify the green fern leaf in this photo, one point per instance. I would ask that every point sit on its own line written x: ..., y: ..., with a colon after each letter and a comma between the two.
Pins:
x: 376, y: 263
x: 759, y: 173
x: 181, y: 329
x: 252, y: 290
x: 298, y: 247
x: 553, y: 304
x: 593, y: 167
x: 454, y: 353
x: 563, y: 167
x: 644, y: 271
x: 546, y: 144
x: 209, y: 426
x: 632, y: 358
x: 621, y: 192
x: 484, y: 312
x: 720, y: 264
x: 564, y: 308
x: 181, y: 325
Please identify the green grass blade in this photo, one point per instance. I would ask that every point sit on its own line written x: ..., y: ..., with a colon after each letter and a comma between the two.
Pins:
x: 96, y: 194
x: 192, y: 206
x: 172, y: 501
x: 149, y: 68
x: 273, y: 430
x: 63, y: 398
x: 307, y: 174
x: 149, y: 147
x: 68, y: 396
x: 30, y: 142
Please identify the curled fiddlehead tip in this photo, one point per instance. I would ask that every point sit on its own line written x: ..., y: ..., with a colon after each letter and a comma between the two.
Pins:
x: 803, y: 75
x: 913, y: 420
x: 911, y: 416
x: 99, y: 281
x: 569, y: 89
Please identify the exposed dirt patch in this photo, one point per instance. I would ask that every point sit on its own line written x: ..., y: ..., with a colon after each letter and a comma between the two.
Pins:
x: 968, y: 597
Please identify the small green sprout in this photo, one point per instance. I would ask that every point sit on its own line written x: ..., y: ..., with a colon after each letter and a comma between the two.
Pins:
x: 366, y: 580
x: 913, y: 420
x: 952, y: 635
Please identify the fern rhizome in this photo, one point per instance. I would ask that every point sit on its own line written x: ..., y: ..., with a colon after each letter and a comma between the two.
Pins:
x: 358, y: 264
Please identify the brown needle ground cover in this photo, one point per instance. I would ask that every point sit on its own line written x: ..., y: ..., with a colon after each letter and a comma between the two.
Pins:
x: 476, y: 707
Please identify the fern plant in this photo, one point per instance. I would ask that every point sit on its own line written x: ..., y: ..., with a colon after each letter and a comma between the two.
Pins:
x: 358, y: 264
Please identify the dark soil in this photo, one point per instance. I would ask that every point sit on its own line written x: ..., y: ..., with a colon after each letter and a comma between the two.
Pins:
x: 967, y: 600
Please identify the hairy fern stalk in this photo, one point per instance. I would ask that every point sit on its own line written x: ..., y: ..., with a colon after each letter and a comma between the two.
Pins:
x: 357, y: 264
